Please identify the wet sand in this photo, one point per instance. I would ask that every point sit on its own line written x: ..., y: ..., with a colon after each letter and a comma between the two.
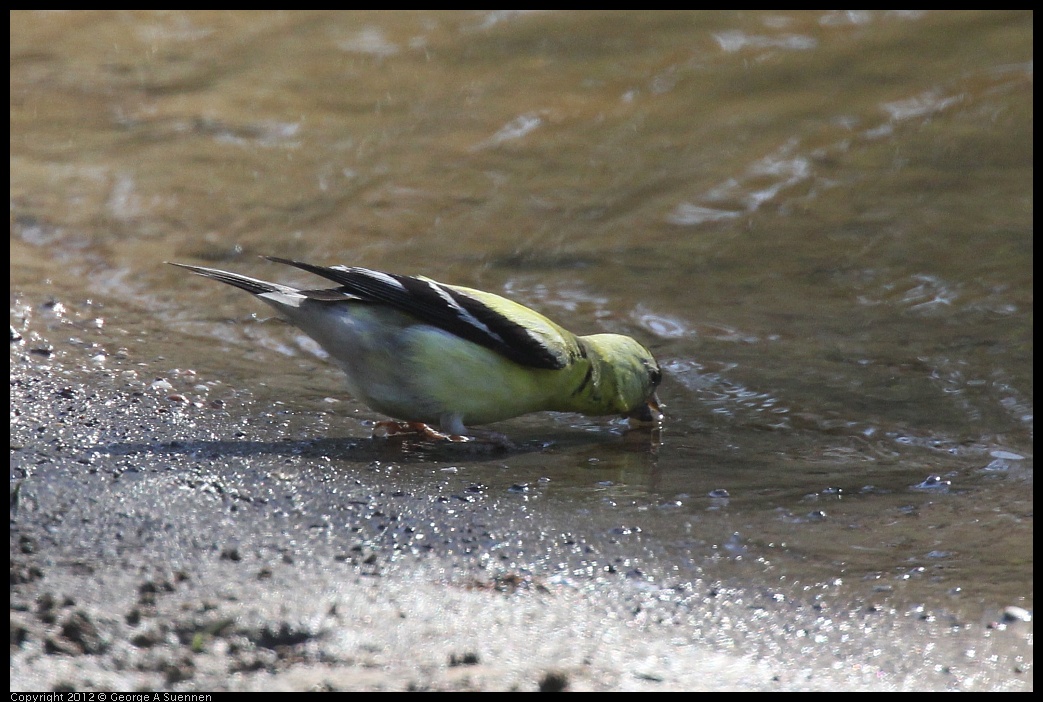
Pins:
x: 159, y: 545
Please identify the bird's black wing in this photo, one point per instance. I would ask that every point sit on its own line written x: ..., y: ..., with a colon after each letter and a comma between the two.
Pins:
x: 445, y: 307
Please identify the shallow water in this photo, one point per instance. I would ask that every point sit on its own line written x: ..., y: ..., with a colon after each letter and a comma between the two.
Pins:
x: 820, y: 222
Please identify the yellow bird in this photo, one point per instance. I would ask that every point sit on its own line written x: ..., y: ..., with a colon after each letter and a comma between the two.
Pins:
x: 429, y: 353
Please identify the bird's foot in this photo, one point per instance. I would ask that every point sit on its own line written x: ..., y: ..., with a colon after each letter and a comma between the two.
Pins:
x: 425, y: 431
x: 491, y: 438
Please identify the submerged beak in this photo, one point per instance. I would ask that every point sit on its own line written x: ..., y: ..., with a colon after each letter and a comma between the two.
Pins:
x: 648, y: 413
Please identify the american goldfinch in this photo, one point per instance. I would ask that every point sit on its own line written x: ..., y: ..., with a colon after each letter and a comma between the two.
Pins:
x: 435, y: 354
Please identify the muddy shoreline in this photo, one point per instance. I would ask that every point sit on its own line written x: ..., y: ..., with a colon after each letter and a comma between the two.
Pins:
x: 158, y: 545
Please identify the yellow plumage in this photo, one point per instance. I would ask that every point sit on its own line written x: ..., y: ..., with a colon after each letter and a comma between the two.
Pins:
x: 426, y: 352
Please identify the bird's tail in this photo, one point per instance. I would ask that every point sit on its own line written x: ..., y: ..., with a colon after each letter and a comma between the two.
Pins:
x: 250, y: 285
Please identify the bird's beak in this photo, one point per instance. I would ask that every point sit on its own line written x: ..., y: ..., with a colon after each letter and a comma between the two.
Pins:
x: 648, y: 413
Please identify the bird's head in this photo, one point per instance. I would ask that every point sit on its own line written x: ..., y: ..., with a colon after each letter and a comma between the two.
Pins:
x: 629, y: 376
